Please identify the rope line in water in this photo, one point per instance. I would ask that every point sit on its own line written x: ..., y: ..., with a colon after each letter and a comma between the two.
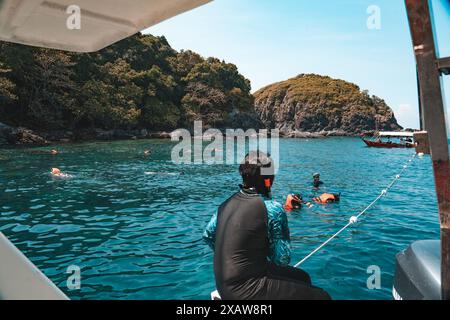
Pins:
x: 354, y: 219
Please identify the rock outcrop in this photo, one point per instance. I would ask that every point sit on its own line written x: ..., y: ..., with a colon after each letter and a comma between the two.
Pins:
x: 322, y: 105
x: 20, y: 136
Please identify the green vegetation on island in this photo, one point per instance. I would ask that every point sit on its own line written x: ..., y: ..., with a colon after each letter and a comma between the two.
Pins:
x: 140, y: 83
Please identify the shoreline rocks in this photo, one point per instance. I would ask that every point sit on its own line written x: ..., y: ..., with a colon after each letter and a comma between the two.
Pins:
x: 20, y: 136
x: 10, y: 136
x: 25, y: 137
x: 105, y: 135
x: 315, y: 135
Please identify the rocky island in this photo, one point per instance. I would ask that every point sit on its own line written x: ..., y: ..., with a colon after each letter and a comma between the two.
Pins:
x: 314, y: 105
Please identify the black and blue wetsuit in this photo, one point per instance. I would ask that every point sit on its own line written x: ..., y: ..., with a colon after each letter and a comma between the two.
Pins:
x: 317, y: 184
x: 250, y: 238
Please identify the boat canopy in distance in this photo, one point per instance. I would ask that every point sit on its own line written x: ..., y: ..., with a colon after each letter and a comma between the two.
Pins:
x: 394, y: 134
x: 83, y: 25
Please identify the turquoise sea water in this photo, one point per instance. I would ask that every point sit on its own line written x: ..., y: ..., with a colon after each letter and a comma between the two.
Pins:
x: 133, y: 224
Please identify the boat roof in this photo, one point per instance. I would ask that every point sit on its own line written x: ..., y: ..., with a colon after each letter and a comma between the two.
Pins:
x: 395, y: 134
x: 20, y: 279
x: 44, y: 23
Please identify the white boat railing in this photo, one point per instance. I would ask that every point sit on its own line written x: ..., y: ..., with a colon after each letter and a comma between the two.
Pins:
x: 20, y: 279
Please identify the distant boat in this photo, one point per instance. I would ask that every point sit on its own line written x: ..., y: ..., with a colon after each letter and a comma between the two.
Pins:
x: 384, y: 139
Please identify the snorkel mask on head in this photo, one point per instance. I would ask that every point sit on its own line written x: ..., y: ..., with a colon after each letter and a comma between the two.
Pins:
x: 257, y: 172
x: 296, y: 201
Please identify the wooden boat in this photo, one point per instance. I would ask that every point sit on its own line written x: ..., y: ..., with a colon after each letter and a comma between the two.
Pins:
x: 376, y: 144
x: 404, y: 140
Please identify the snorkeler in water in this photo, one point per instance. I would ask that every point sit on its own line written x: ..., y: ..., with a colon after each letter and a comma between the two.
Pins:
x: 316, y: 181
x: 57, y: 173
x: 327, y: 198
x: 53, y: 152
x: 295, y: 202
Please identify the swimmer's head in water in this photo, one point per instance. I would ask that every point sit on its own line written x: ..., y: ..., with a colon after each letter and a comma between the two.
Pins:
x: 293, y: 201
x: 257, y: 172
x: 54, y: 151
x: 56, y: 171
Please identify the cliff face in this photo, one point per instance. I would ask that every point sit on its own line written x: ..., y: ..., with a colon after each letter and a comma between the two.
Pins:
x: 313, y: 103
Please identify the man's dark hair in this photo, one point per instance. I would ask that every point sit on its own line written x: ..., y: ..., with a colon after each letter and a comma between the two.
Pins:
x: 252, y: 174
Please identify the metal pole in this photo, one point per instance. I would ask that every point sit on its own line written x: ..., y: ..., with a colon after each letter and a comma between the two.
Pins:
x: 422, y: 126
x: 433, y: 114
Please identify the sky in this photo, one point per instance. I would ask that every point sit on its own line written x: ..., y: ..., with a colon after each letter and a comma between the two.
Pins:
x: 273, y: 41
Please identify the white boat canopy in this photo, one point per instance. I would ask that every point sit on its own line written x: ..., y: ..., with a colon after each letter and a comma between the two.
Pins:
x: 20, y: 279
x: 83, y: 25
x: 394, y: 134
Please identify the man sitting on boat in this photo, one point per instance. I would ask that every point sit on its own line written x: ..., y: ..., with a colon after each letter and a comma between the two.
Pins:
x: 250, y: 238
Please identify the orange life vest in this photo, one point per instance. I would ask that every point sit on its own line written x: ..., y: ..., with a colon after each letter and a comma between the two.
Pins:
x: 288, y: 204
x: 325, y: 198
